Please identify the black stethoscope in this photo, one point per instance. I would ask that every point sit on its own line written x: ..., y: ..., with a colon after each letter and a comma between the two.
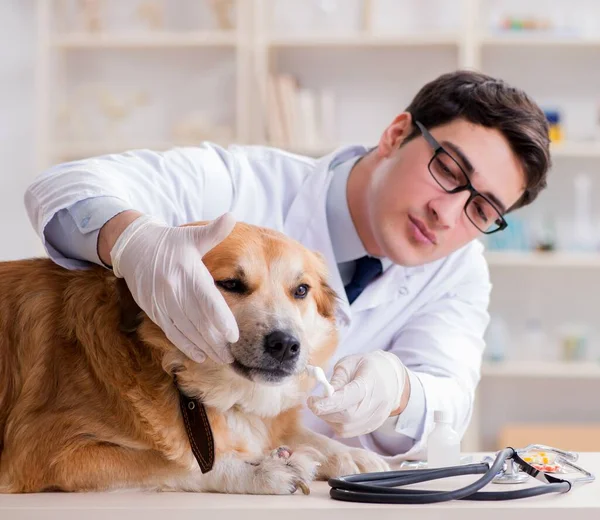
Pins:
x: 381, y: 487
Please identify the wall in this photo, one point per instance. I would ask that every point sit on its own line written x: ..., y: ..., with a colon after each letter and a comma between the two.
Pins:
x: 17, y: 157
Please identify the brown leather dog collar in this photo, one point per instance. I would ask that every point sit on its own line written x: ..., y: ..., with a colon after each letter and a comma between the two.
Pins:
x: 193, y: 411
x: 198, y: 430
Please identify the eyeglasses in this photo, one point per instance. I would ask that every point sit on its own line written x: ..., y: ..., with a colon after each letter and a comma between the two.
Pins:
x: 481, y: 211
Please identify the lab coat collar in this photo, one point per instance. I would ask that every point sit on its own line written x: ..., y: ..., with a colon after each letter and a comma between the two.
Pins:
x: 307, y: 222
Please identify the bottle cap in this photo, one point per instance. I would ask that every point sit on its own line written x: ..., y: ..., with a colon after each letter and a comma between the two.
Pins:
x: 441, y: 416
x: 553, y: 116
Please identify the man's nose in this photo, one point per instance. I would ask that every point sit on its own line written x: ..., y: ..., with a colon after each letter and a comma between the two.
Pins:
x: 448, y: 208
x: 282, y: 346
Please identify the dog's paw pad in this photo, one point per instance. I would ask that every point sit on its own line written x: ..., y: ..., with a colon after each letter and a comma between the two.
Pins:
x: 283, y: 452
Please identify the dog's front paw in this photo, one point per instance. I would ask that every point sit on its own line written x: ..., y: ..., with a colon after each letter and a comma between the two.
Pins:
x: 350, y: 461
x: 282, y: 472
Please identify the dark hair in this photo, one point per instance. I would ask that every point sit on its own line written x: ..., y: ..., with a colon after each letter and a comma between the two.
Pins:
x: 492, y: 103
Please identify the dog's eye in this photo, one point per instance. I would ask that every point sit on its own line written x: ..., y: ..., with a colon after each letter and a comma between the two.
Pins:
x: 301, y: 291
x: 232, y: 285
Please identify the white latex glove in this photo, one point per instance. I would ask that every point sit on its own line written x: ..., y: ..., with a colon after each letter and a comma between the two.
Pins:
x: 163, y: 268
x: 368, y: 388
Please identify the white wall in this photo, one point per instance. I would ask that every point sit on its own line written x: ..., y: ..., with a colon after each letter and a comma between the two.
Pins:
x: 17, y: 154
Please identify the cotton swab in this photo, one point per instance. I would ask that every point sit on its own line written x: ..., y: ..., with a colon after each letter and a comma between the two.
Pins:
x: 319, y: 375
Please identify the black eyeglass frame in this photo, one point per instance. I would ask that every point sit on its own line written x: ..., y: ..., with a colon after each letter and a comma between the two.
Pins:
x: 437, y: 148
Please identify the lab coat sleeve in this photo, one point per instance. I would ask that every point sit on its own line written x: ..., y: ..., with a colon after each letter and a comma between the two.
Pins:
x: 72, y: 233
x: 442, y: 347
x: 177, y: 186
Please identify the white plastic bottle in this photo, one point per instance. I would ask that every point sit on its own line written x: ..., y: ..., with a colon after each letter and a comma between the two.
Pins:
x: 443, y: 443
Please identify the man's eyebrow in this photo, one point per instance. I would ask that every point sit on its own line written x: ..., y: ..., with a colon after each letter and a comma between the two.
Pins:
x: 469, y: 169
x: 461, y: 156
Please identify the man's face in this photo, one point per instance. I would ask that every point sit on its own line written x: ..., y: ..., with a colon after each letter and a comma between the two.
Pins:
x: 413, y: 220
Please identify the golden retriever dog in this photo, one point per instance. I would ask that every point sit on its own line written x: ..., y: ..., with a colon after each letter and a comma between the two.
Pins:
x: 89, y: 395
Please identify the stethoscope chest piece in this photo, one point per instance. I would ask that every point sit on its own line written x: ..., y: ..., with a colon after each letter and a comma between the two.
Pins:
x: 510, y: 474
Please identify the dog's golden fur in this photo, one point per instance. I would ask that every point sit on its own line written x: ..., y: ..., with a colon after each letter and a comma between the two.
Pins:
x: 87, y: 398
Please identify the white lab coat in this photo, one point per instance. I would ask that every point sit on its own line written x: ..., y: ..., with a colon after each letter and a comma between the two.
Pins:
x: 432, y: 317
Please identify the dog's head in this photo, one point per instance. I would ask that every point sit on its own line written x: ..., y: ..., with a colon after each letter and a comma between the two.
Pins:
x: 278, y: 293
x: 277, y: 290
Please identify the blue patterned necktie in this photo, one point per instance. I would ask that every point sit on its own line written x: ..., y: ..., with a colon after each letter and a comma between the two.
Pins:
x: 367, y: 269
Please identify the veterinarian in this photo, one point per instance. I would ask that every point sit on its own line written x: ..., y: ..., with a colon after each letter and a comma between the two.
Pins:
x: 397, y: 224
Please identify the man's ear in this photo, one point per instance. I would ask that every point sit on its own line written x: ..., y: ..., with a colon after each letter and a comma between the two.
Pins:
x: 392, y: 137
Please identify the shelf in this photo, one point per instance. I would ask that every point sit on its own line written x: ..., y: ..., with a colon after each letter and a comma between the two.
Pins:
x: 534, y: 259
x: 562, y: 150
x: 308, y: 151
x: 542, y: 370
x: 426, y: 40
x: 143, y: 41
x: 566, y: 149
x: 538, y: 40
x: 76, y: 150
x: 574, y: 149
x: 363, y: 40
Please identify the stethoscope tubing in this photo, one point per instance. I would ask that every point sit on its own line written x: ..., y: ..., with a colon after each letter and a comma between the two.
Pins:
x: 380, y: 488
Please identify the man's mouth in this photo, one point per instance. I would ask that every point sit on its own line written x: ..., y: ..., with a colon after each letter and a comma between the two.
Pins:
x: 421, y: 232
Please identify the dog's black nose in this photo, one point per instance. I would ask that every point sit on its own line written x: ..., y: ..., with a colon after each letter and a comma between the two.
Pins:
x: 282, y: 346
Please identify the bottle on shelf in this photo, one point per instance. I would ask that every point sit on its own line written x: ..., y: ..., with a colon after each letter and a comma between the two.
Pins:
x: 534, y: 344
x: 554, y: 125
x: 497, y: 339
x: 584, y: 229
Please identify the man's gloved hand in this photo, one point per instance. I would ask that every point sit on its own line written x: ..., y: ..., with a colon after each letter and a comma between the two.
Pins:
x: 163, y: 268
x: 368, y: 388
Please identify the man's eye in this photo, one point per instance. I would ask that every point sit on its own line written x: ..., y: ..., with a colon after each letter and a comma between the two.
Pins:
x: 232, y: 285
x: 301, y: 291
x: 481, y: 213
x: 442, y: 169
x: 449, y: 173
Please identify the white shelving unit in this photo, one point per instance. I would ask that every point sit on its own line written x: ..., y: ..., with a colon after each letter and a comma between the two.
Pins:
x: 270, y: 44
x: 467, y: 40
x: 255, y: 48
x: 259, y: 51
x: 54, y: 47
x: 468, y: 45
x: 526, y: 373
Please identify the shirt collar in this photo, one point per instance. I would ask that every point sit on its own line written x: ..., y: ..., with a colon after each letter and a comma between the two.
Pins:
x: 346, y: 243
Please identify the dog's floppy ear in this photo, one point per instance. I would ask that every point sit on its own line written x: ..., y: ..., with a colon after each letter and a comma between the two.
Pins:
x: 131, y: 314
x: 326, y: 298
